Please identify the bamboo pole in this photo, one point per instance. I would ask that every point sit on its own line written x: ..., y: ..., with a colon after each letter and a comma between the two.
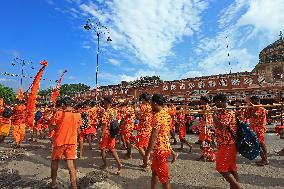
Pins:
x: 193, y: 111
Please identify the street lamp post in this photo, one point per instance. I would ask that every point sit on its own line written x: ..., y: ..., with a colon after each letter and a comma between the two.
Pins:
x: 22, y: 63
x: 100, y: 30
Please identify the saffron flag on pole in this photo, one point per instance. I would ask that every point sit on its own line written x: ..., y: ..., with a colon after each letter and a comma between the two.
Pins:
x: 56, y: 90
x: 31, y: 104
x: 20, y: 95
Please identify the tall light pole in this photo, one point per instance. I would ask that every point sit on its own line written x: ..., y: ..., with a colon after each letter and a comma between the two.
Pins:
x: 100, y: 30
x: 22, y: 63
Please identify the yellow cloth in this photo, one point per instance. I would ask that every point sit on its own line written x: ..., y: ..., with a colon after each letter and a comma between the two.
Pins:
x: 19, y: 133
x: 5, y: 129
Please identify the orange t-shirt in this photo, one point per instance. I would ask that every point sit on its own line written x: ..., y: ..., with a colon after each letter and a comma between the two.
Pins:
x: 107, y: 117
x: 19, y: 114
x: 145, y: 121
x: 224, y: 136
x: 93, y: 115
x: 162, y: 122
x: 66, y: 131
x: 129, y: 116
x: 258, y: 123
x: 172, y: 112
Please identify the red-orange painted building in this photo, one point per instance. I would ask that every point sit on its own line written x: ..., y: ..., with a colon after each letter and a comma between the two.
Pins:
x: 263, y: 81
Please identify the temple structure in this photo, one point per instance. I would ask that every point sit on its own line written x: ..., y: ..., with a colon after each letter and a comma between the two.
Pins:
x: 265, y: 80
x: 271, y: 61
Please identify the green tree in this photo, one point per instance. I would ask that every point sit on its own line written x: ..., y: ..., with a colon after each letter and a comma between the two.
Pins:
x: 7, y: 94
x: 146, y: 81
x: 68, y: 89
x: 45, y: 92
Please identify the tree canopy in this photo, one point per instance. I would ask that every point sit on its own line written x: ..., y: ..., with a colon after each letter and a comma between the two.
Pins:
x: 146, y: 81
x: 67, y: 89
x: 7, y: 94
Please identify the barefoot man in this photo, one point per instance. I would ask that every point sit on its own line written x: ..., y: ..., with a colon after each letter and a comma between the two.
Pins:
x: 19, y: 123
x: 145, y: 123
x: 66, y: 125
x: 226, y: 133
x: 106, y: 141
x: 160, y: 143
x: 257, y: 119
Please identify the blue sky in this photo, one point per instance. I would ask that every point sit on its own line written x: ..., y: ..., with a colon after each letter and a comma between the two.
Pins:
x: 171, y: 38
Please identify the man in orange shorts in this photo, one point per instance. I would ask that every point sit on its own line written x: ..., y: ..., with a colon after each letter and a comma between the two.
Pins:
x: 206, y: 121
x: 128, y: 118
x: 144, y: 115
x: 160, y: 144
x: 66, y: 125
x: 19, y: 123
x: 257, y: 118
x: 226, y: 134
x: 86, y: 129
x: 106, y: 141
x: 5, y: 121
x: 182, y: 129
x: 172, y: 112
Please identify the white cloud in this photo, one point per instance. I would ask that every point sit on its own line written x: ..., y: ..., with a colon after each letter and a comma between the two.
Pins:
x: 149, y: 29
x: 50, y: 2
x: 165, y: 74
x: 71, y: 77
x: 244, y: 21
x: 114, y: 62
x: 5, y: 80
x: 264, y: 15
x: 13, y: 53
x: 218, y: 62
x: 231, y: 12
x: 109, y: 78
x: 192, y: 74
x: 137, y: 75
x: 59, y: 71
x: 86, y: 46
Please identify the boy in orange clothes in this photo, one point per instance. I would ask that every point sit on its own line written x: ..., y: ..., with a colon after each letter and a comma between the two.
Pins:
x: 93, y: 114
x: 144, y: 115
x: 106, y: 142
x: 172, y: 112
x: 38, y: 126
x: 182, y: 129
x: 128, y: 119
x: 66, y: 125
x: 257, y: 117
x: 86, y: 129
x: 226, y: 134
x: 45, y: 122
x: 5, y: 121
x: 19, y: 123
x: 160, y: 144
x: 121, y: 109
x: 206, y: 121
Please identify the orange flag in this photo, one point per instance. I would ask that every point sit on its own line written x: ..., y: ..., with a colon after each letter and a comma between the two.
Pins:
x: 20, y: 95
x: 55, y: 92
x: 31, y: 104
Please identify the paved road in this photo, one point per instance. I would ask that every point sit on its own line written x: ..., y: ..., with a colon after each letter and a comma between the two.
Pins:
x: 29, y: 168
